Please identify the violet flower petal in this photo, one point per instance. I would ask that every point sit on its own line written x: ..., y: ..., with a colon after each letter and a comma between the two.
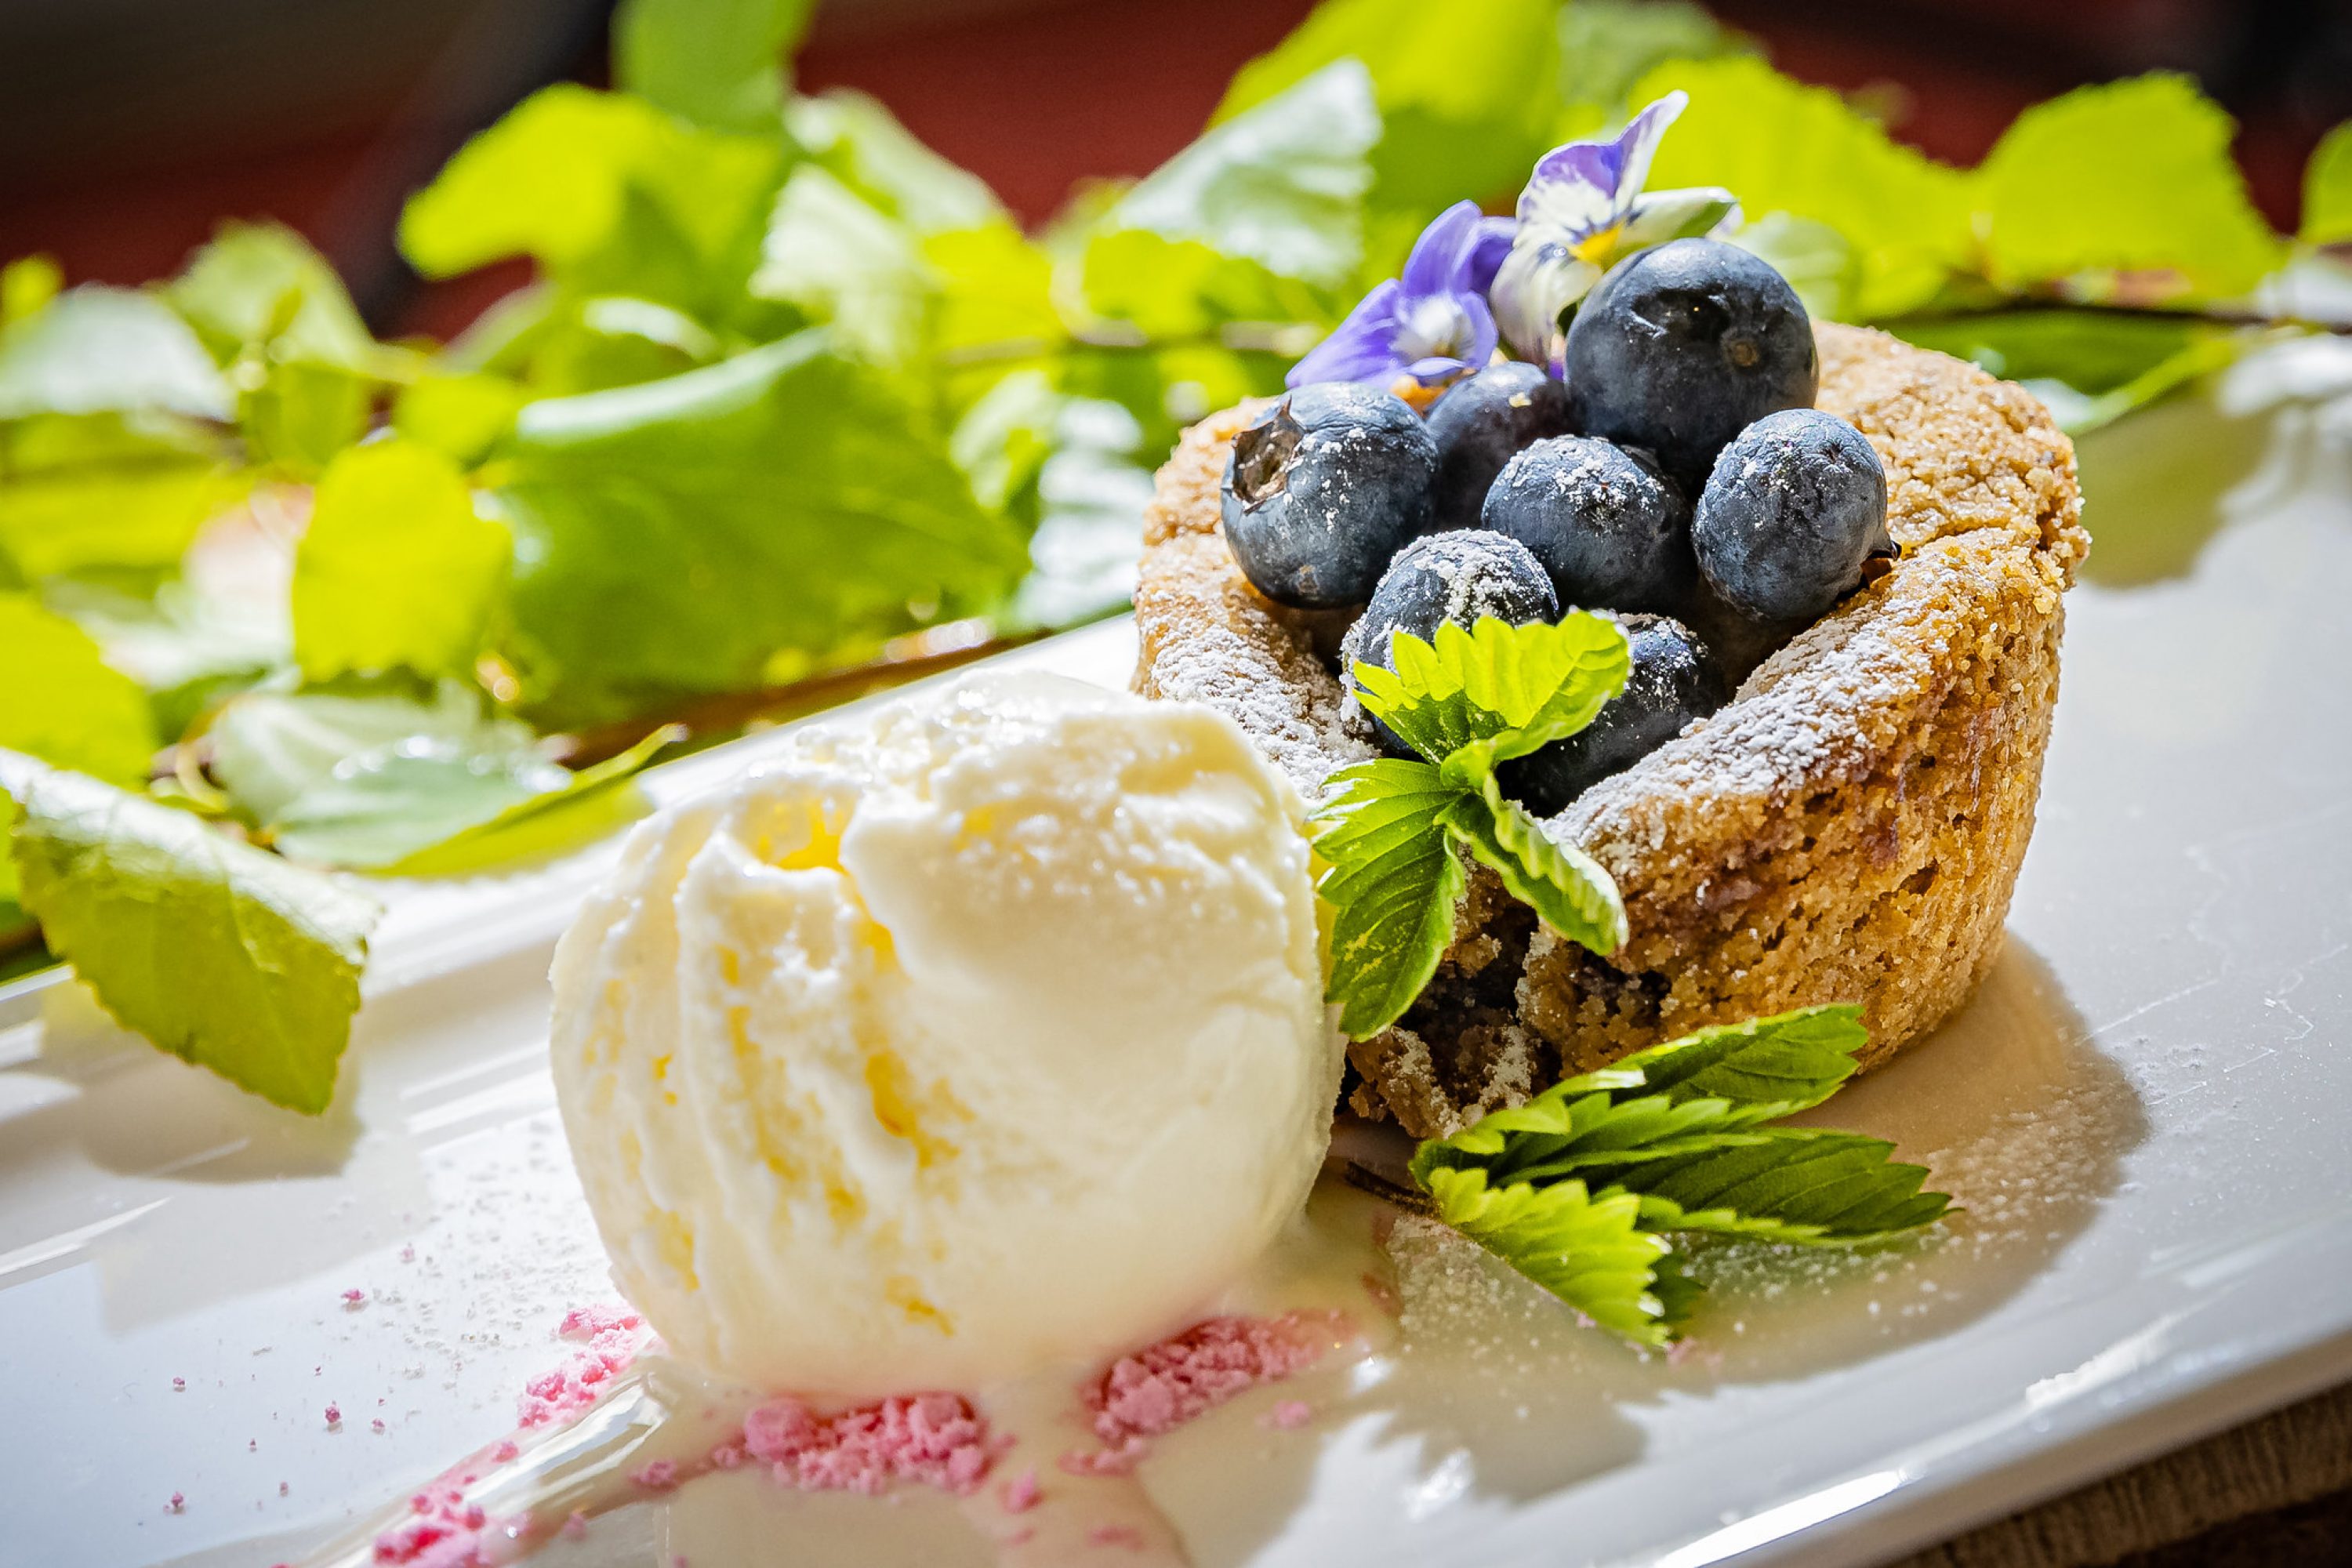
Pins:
x: 1440, y: 257
x: 1488, y: 248
x: 1362, y: 348
x: 1585, y: 186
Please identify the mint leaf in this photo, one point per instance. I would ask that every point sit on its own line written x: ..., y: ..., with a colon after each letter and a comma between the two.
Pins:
x: 2131, y: 176
x: 787, y: 505
x: 1497, y: 691
x: 715, y: 62
x: 395, y: 570
x: 215, y: 950
x: 107, y: 351
x: 1392, y: 882
x: 60, y: 703
x: 2327, y: 189
x: 1388, y: 831
x: 1773, y: 1067
x: 1566, y: 886
x: 1783, y: 147
x: 1584, y: 1249
x: 1795, y: 1185
x: 1280, y: 186
x: 1681, y: 1131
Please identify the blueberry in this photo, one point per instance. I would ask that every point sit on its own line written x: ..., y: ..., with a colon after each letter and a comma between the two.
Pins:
x: 1323, y: 490
x: 1681, y: 347
x: 1458, y: 577
x: 1674, y: 680
x: 1479, y: 423
x: 1795, y: 507
x: 1613, y: 532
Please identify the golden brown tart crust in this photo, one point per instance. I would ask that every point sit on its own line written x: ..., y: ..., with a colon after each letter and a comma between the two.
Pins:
x: 1848, y: 828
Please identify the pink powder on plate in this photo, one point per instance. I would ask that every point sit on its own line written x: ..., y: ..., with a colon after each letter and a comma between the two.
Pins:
x: 611, y: 1338
x: 1021, y: 1493
x: 444, y: 1531
x: 1289, y: 1415
x: 937, y: 1440
x: 1159, y: 1388
x: 656, y: 1476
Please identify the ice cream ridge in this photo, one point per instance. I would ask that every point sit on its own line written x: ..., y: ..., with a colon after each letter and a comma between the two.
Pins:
x: 981, y: 1032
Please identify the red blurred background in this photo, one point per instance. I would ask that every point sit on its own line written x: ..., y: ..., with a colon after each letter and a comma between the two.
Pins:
x: 129, y: 128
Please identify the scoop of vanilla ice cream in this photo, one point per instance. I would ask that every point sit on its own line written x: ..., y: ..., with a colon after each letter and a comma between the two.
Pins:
x: 979, y: 1032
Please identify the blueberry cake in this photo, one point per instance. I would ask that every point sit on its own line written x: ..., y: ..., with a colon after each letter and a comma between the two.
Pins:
x: 1820, y: 780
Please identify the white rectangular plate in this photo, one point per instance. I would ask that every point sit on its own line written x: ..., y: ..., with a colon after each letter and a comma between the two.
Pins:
x: 2144, y: 1111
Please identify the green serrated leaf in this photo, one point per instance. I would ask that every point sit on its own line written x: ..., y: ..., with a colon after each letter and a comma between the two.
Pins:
x: 832, y: 253
x: 1783, y: 147
x: 1566, y: 887
x: 609, y: 194
x: 217, y: 952
x: 261, y: 286
x: 1392, y: 882
x: 107, y: 351
x: 2327, y: 189
x: 2130, y: 177
x: 394, y: 571
x: 460, y: 415
x: 1480, y: 697
x: 674, y: 537
x: 1607, y: 46
x: 1775, y: 1066
x: 1585, y: 1249
x: 60, y: 702
x: 1465, y: 91
x: 1682, y: 1129
x: 589, y: 805
x: 191, y: 644
x: 863, y: 146
x: 1723, y: 1079
x: 367, y: 780
x: 1280, y: 186
x: 1799, y: 1185
x: 719, y: 63
x: 28, y: 285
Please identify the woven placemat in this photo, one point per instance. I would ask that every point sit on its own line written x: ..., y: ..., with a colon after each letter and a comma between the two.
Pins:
x: 2277, y: 1490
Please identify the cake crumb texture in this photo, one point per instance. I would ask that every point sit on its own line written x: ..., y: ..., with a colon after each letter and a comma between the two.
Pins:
x: 1849, y: 828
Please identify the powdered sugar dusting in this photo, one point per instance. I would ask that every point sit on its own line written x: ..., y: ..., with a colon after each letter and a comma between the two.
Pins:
x: 1294, y: 720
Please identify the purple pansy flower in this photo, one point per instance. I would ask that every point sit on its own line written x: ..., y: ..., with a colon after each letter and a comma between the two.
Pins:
x: 1431, y: 323
x: 1582, y: 209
